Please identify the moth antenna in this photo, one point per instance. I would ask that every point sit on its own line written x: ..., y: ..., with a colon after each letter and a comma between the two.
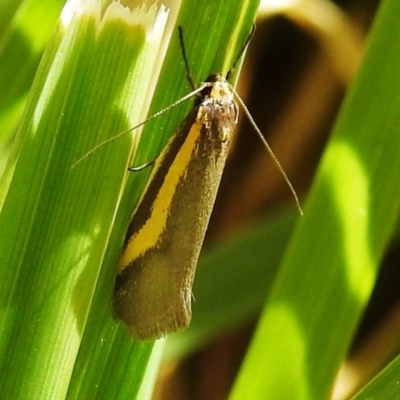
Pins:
x: 185, y: 59
x: 271, y: 153
x: 241, y: 51
x: 157, y: 114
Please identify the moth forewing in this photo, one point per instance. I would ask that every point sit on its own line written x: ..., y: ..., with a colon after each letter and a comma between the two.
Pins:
x: 155, y: 276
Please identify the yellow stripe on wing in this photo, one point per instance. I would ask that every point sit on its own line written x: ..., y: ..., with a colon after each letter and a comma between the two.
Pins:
x: 148, y: 236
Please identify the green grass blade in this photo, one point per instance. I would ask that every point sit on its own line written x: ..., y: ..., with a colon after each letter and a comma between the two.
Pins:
x: 330, y: 268
x: 385, y: 386
x: 57, y: 221
x: 212, y: 42
x: 21, y: 47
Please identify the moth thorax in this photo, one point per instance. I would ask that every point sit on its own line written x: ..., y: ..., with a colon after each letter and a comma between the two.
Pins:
x: 221, y: 91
